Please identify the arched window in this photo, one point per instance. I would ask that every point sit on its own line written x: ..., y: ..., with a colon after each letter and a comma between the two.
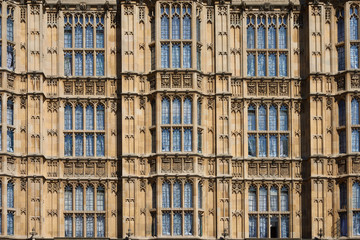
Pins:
x: 187, y: 22
x: 282, y: 35
x: 166, y: 195
x: 164, y: 22
x: 342, y: 116
x: 10, y: 112
x: 274, y: 206
x: 176, y: 23
x: 188, y: 195
x: 10, y: 195
x: 272, y: 118
x: 176, y: 111
x: 343, y: 196
x: 356, y: 223
x: 263, y: 226
x: 100, y: 32
x: 284, y: 199
x: 89, y: 32
x: 165, y: 111
x: 78, y: 32
x: 262, y: 145
x: 251, y: 145
x: 67, y: 31
x: 90, y: 198
x: 100, y: 117
x: 200, y: 195
x: 10, y: 24
x: 89, y: 226
x: 252, y: 226
x: 273, y: 146
x: 354, y: 20
x: 177, y: 195
x: 177, y: 140
x: 251, y: 118
x: 262, y: 199
x: 356, y: 195
x: 262, y: 118
x: 272, y: 65
x: 252, y: 199
x: 89, y: 64
x: 78, y: 64
x: 79, y: 144
x: 261, y: 32
x: 68, y: 198
x: 89, y: 144
x: 354, y: 112
x: 283, y: 65
x: 187, y: 55
x: 68, y: 64
x: 165, y: 55
x: 68, y: 117
x: 176, y: 55
x: 187, y: 111
x: 10, y: 140
x: 100, y: 64
x: 285, y: 226
x: 68, y: 145
x: 250, y: 32
x: 79, y: 198
x: 100, y: 198
x: 68, y: 225
x: 284, y: 145
x: 187, y: 139
x: 89, y: 117
x: 272, y: 32
x: 340, y: 25
x: 283, y: 118
x: 79, y: 117
x: 100, y: 145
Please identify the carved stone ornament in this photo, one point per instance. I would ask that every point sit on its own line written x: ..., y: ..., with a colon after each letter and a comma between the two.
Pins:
x: 251, y: 87
x: 355, y: 81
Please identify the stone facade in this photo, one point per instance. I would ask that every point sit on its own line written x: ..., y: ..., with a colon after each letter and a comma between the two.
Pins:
x: 134, y: 166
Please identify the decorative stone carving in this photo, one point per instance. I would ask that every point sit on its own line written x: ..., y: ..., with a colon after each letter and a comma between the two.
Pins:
x: 284, y: 89
x: 284, y: 170
x: 188, y: 165
x: 79, y: 169
x: 340, y: 83
x: 100, y: 88
x: 68, y: 169
x: 176, y: 81
x: 68, y: 88
x: 355, y: 165
x: 89, y: 88
x: 100, y: 169
x: 251, y: 87
x: 79, y: 88
x: 355, y: 81
x: 252, y: 171
x: 165, y: 165
x: 273, y: 89
x: 165, y: 80
x: 187, y: 79
x: 262, y: 89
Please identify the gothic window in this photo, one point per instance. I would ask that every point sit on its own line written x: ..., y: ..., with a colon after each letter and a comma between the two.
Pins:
x: 10, y: 140
x: 343, y: 224
x: 342, y: 141
x: 187, y: 139
x: 354, y: 56
x: 79, y: 193
x: 68, y: 226
x: 262, y: 118
x: 188, y: 223
x: 342, y: 116
x: 165, y: 139
x: 90, y: 198
x: 10, y: 24
x: 356, y: 223
x: 251, y: 118
x: 100, y: 199
x: 176, y: 111
x: 166, y: 195
x: 251, y: 145
x: 343, y: 196
x: 354, y: 22
x: 340, y: 25
x: 199, y: 141
x: 68, y: 198
x: 267, y: 45
x: 177, y: 194
x: 75, y: 27
x: 153, y: 193
x: 273, y: 118
x: 166, y: 223
x: 187, y: 111
x: 100, y: 226
x: 200, y: 195
x: 78, y: 31
x: 85, y: 137
x: 188, y: 202
x: 341, y: 58
x: 283, y: 118
x: 176, y: 35
x: 356, y: 208
x: 268, y: 212
x: 177, y: 224
x: 79, y: 225
x: 177, y: 140
x: 10, y: 57
x: 356, y: 195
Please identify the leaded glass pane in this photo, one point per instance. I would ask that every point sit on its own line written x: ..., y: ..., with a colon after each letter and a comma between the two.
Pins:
x: 188, y: 224
x: 90, y: 226
x: 68, y: 198
x: 355, y: 140
x: 164, y: 27
x: 251, y: 119
x: 200, y: 195
x: 166, y: 224
x: 252, y: 226
x: 187, y: 56
x: 176, y: 140
x: 340, y: 25
x: 89, y: 64
x: 177, y: 195
x: 79, y: 144
x: 343, y: 224
x: 187, y: 27
x: 10, y: 58
x: 100, y: 145
x: 252, y: 199
x: 100, y: 64
x: 101, y: 226
x: 285, y: 226
x: 262, y: 118
x: 165, y: 140
x: 283, y: 65
x: 187, y: 111
x: 343, y: 196
x: 272, y: 37
x: 282, y: 38
x: 89, y: 37
x: 79, y: 198
x: 251, y: 37
x: 274, y: 206
x: 251, y: 65
x: 263, y: 199
x: 90, y: 198
x: 273, y: 146
x: 10, y: 29
x: 100, y: 117
x: 284, y: 199
x: 188, y: 140
x: 272, y: 65
x: 354, y: 28
x: 354, y: 112
x: 100, y: 36
x: 165, y: 56
x: 283, y: 118
x: 272, y: 118
x: 78, y: 37
x: 176, y: 111
x: 10, y: 140
x: 284, y: 144
x: 356, y: 223
x: 341, y: 58
x: 342, y: 116
x: 89, y: 117
x: 261, y: 65
x: 165, y: 111
x: 10, y: 112
x: 79, y: 226
x: 251, y: 145
x: 177, y: 224
x: 68, y: 226
x: 188, y: 197
x: 100, y: 198
x: 166, y: 195
x: 176, y: 55
x: 90, y: 145
x: 67, y: 36
x: 356, y: 195
x: 261, y: 37
x: 262, y: 146
x: 175, y: 27
x: 342, y: 141
x: 68, y: 64
x: 354, y: 56
x: 68, y: 145
x: 263, y: 226
x: 10, y: 195
x: 79, y: 117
